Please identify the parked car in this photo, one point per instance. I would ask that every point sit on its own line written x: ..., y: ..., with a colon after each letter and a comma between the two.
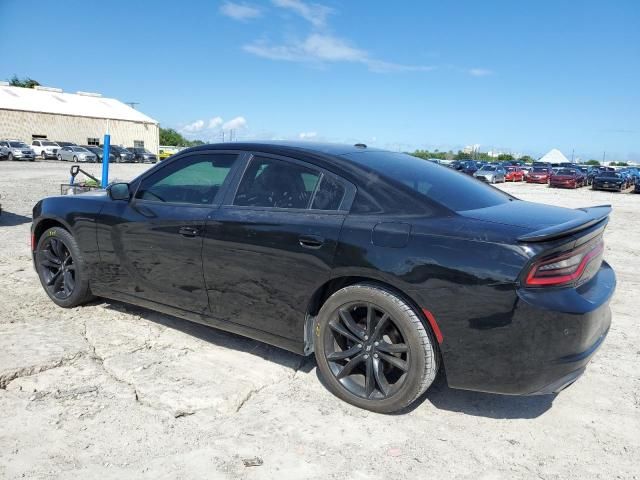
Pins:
x: 165, y: 152
x: 385, y: 266
x: 610, y: 180
x: 142, y: 155
x: 17, y: 150
x: 513, y: 174
x: 45, y: 148
x: 65, y: 144
x: 76, y: 154
x: 567, y: 178
x: 491, y: 174
x: 99, y: 153
x: 539, y: 175
x: 471, y: 167
x: 120, y: 154
x: 636, y: 188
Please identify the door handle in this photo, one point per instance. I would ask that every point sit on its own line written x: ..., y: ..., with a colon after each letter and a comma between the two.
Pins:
x: 311, y: 241
x: 188, y: 231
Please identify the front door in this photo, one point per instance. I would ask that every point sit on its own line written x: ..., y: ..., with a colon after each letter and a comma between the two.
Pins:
x: 272, y: 246
x: 151, y: 246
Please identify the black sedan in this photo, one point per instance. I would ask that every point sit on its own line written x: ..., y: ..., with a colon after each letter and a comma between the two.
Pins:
x: 388, y: 267
x: 142, y: 155
x: 610, y: 181
x: 99, y: 153
x: 120, y: 154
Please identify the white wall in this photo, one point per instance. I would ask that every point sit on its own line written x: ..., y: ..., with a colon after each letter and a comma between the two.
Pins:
x: 22, y: 125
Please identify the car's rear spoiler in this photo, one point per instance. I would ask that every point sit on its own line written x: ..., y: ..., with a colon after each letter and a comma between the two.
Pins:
x: 594, y: 215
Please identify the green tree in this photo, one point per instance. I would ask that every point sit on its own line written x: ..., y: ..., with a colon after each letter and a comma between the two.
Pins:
x: 463, y: 155
x: 526, y: 159
x: 593, y: 162
x: 25, y: 82
x: 505, y: 157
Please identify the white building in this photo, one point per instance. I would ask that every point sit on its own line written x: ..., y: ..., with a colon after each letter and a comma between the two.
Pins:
x: 554, y: 156
x: 28, y: 114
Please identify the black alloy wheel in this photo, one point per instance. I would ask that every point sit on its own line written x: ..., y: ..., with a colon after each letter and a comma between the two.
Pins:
x: 373, y: 349
x: 366, y: 351
x: 56, y: 268
x: 61, y: 269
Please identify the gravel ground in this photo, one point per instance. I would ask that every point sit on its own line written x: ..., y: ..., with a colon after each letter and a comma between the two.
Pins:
x: 115, y: 391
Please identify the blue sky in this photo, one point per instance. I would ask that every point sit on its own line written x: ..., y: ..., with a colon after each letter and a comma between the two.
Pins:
x: 511, y: 75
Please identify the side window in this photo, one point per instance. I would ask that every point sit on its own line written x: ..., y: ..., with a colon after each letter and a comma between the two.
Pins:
x: 329, y: 195
x: 268, y: 182
x: 195, y: 179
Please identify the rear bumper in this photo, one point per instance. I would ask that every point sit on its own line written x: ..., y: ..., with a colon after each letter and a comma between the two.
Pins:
x: 536, y: 341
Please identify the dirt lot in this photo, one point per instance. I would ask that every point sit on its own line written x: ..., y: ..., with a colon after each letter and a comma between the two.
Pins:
x: 114, y: 391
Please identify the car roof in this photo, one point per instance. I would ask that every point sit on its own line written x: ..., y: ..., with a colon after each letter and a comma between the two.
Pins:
x: 283, y: 147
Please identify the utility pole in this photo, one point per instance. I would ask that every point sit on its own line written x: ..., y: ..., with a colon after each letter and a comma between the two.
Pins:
x: 603, y: 155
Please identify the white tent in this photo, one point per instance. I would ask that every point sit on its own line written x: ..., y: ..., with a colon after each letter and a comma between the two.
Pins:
x: 554, y: 156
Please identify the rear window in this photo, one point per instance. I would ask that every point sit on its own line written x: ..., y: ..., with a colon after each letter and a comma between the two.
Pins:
x: 449, y: 188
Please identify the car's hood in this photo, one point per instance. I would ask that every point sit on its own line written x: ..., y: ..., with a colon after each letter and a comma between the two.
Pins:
x: 524, y: 214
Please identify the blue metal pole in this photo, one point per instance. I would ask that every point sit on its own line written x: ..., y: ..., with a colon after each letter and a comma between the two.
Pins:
x: 105, y: 160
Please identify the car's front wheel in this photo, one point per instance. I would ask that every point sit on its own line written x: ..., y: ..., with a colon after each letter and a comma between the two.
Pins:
x: 373, y: 350
x: 61, y: 268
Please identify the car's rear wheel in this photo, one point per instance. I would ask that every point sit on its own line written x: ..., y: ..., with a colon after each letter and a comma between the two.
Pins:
x: 61, y: 268
x: 373, y: 350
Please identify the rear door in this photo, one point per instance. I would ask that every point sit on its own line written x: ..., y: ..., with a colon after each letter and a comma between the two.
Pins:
x: 151, y: 246
x: 272, y: 243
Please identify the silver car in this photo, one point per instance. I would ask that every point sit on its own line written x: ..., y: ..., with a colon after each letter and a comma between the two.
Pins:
x: 76, y: 154
x: 17, y: 150
x: 491, y: 174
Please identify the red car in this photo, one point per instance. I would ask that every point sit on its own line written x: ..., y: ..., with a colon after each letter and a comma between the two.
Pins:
x: 567, y: 178
x: 539, y: 175
x: 514, y: 174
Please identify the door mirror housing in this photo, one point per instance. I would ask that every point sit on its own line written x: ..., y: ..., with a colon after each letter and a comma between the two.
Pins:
x: 119, y: 191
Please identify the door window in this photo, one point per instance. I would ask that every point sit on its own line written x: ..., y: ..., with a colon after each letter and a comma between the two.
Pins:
x: 329, y: 194
x: 273, y: 183
x: 196, y: 179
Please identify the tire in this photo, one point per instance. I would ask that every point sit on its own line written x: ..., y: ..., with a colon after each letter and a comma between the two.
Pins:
x: 75, y: 159
x: 59, y: 157
x: 43, y: 154
x: 411, y: 370
x: 48, y: 249
x: 10, y: 157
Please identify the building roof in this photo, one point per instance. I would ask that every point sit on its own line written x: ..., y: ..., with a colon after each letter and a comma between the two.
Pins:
x: 554, y: 156
x: 76, y: 104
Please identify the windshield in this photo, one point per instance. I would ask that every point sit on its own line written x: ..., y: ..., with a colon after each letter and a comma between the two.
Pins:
x: 610, y: 174
x: 79, y: 149
x: 488, y: 168
x: 18, y: 145
x: 451, y: 189
x: 566, y: 171
x: 540, y: 170
x: 49, y: 144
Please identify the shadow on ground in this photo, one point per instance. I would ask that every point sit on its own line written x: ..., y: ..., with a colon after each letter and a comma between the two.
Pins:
x: 215, y: 336
x: 439, y: 395
x: 8, y: 219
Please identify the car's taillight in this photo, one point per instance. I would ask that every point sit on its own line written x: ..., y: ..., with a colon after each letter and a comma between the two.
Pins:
x: 565, y: 268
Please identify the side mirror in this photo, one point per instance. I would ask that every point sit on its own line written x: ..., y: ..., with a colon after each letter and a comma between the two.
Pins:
x: 119, y: 191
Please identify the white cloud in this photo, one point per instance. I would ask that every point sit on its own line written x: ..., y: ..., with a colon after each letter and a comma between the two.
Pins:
x: 307, y: 135
x: 314, y: 13
x: 327, y: 48
x: 239, y: 11
x: 479, y: 72
x: 194, y: 127
x: 215, y: 122
x: 235, y: 124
